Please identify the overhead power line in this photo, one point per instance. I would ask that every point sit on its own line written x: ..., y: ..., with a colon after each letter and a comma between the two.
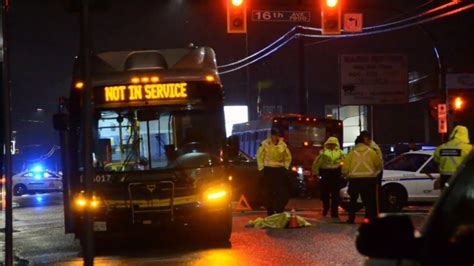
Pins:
x: 382, y: 28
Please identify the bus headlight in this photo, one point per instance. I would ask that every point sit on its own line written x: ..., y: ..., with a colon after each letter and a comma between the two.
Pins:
x: 81, y: 202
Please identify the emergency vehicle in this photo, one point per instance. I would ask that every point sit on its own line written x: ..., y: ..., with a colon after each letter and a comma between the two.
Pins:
x: 304, y: 136
x: 36, y: 180
x: 409, y: 177
x: 159, y: 145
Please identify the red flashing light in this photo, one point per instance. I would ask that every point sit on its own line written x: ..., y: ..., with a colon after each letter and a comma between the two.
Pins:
x: 306, y: 143
x: 314, y: 119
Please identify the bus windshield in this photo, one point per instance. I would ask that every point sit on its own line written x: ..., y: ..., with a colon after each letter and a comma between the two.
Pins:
x: 299, y: 133
x: 138, y: 140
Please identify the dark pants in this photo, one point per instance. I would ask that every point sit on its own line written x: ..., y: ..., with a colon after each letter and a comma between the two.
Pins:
x: 330, y: 186
x: 443, y: 180
x: 366, y: 188
x: 275, y: 189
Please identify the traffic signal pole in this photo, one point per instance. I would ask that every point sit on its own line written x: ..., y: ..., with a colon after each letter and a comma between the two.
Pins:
x: 88, y: 237
x: 7, y: 133
x: 302, y: 89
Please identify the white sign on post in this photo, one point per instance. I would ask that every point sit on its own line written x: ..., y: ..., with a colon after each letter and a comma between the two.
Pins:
x: 370, y: 79
x: 353, y: 22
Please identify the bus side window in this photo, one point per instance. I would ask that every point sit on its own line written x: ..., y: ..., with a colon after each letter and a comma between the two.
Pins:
x: 241, y: 142
x: 250, y: 143
x: 254, y: 143
x: 244, y: 139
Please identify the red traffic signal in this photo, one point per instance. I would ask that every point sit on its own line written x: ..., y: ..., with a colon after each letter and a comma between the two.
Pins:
x: 236, y: 16
x: 331, y: 3
x: 331, y: 17
x: 237, y: 3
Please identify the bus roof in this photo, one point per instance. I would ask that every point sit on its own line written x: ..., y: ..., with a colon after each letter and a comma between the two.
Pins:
x: 191, y: 64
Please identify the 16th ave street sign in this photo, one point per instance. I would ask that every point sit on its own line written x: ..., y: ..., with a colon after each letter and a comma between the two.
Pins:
x: 281, y: 16
x: 368, y: 79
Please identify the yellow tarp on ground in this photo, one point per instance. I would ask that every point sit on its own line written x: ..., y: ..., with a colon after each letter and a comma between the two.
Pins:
x: 278, y: 220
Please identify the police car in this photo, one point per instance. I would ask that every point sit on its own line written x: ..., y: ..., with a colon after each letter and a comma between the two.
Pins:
x: 409, y: 177
x: 36, y: 180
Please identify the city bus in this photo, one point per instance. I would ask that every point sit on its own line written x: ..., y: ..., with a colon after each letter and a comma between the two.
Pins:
x: 304, y: 135
x: 159, y: 146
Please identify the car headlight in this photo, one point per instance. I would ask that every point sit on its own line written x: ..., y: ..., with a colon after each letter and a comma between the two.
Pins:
x: 216, y: 193
x: 299, y: 170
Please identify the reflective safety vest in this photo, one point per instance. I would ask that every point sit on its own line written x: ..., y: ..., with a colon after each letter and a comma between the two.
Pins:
x: 450, y: 155
x: 362, y: 162
x: 327, y: 159
x: 376, y: 148
x: 271, y: 155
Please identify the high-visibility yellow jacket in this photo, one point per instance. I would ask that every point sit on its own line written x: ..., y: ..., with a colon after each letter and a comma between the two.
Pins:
x: 327, y: 158
x: 362, y: 162
x: 374, y: 146
x: 451, y: 154
x: 271, y: 155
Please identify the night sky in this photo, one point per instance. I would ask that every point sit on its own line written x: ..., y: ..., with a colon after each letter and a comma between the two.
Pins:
x: 44, y: 40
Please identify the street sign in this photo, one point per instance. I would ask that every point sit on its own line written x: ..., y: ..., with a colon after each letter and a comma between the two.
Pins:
x: 281, y: 16
x: 442, y: 119
x: 353, y: 22
x: 369, y: 79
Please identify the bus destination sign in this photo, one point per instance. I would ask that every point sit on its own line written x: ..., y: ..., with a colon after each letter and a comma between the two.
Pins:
x: 143, y: 92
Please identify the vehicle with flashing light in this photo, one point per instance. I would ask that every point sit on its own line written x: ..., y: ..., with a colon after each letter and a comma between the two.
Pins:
x: 304, y: 135
x: 408, y: 178
x: 35, y: 180
x: 160, y: 151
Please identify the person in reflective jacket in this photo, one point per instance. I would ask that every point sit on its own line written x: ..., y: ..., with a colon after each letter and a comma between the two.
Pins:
x: 361, y: 167
x: 274, y: 158
x: 327, y: 165
x: 451, y: 154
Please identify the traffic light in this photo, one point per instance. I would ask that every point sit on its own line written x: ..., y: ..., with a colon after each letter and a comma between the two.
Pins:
x: 330, y: 17
x: 236, y: 16
x: 458, y: 103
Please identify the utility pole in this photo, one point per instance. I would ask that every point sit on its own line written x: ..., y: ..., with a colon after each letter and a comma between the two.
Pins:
x: 7, y: 127
x: 88, y: 245
x: 302, y: 90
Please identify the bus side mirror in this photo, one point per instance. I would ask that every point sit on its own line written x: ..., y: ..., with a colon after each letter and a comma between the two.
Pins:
x: 61, y: 121
x: 233, y: 146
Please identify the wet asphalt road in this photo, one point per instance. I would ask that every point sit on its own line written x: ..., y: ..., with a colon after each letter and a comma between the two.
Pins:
x: 39, y: 239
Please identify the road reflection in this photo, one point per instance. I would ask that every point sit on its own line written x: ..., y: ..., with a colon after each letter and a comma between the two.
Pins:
x: 38, y: 200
